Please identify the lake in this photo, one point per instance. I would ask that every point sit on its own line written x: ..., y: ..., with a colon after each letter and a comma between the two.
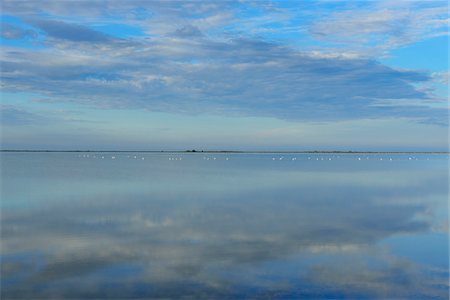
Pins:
x: 224, y: 226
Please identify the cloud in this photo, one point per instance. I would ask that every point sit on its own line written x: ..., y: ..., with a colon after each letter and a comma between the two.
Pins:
x: 441, y: 77
x: 374, y: 24
x: 71, y: 32
x: 206, y: 58
x: 383, y: 25
x: 11, y: 32
x: 187, y: 31
x: 16, y: 116
x: 239, y: 76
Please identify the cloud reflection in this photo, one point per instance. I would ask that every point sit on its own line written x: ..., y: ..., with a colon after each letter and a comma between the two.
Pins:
x: 294, y: 241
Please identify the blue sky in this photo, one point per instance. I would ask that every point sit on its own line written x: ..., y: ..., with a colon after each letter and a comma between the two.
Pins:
x: 245, y: 75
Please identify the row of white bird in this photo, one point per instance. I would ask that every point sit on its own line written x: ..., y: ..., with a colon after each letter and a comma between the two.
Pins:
x: 213, y: 158
x: 227, y: 158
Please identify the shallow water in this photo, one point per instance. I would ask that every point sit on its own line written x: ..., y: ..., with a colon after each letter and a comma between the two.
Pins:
x: 141, y: 225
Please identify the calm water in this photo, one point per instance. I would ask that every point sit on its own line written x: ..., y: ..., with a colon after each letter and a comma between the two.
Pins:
x: 253, y: 226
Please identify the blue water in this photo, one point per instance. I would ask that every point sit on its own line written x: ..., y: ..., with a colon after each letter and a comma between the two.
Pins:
x: 224, y: 226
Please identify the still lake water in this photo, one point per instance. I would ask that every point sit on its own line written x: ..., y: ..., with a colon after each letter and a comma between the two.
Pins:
x: 250, y: 226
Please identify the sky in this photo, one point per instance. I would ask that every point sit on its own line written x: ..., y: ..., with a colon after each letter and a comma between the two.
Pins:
x: 224, y: 75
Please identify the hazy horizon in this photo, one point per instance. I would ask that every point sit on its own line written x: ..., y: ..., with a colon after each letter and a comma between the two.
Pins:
x: 217, y: 151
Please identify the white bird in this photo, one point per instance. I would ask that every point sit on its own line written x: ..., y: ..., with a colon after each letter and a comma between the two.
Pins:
x: 103, y: 157
x: 359, y: 158
x: 226, y: 158
x: 113, y: 157
x: 143, y: 158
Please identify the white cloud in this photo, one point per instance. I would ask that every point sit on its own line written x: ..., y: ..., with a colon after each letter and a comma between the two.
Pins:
x: 383, y: 25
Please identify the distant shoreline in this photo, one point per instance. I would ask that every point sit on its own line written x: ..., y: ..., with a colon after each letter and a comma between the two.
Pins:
x: 228, y: 151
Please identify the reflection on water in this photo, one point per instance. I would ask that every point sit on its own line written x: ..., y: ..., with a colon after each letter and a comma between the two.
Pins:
x: 145, y: 225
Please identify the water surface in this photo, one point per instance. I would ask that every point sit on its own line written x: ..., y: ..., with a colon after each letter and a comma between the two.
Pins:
x: 141, y: 225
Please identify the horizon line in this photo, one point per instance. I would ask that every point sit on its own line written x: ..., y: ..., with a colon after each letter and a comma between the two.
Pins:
x: 229, y: 151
